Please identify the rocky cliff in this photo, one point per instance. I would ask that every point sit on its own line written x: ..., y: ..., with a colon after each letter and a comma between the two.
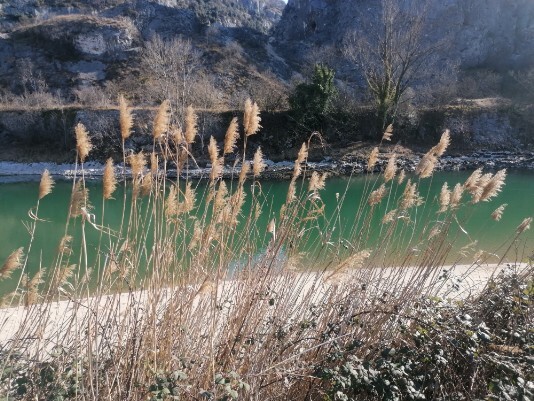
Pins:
x: 483, y: 33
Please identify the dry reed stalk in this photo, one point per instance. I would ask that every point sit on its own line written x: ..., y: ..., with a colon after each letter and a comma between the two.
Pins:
x: 191, y: 128
x: 232, y: 134
x: 258, y: 165
x: 109, y: 180
x: 497, y: 213
x: 388, y: 133
x: 125, y: 118
x: 391, y: 168
x: 83, y: 143
x: 251, y: 118
x: 45, y: 185
x: 79, y: 199
x: 525, y: 225
x: 161, y: 121
x: 377, y: 195
x: 444, y: 198
x: 12, y: 263
x: 373, y: 158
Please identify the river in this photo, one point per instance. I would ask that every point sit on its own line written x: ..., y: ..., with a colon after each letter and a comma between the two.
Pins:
x: 18, y: 196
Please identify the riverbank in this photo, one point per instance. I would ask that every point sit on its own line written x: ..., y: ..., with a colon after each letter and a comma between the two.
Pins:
x: 347, y: 165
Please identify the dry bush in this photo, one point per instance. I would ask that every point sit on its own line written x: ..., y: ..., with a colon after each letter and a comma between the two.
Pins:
x: 193, y: 296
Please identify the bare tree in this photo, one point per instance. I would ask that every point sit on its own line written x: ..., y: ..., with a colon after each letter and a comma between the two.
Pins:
x: 171, y: 67
x: 393, y: 54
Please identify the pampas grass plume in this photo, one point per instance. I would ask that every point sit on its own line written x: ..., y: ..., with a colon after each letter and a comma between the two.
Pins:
x: 83, y: 143
x: 251, y: 119
x: 525, y: 225
x: 125, y: 118
x: 109, y: 179
x: 391, y: 168
x: 232, y: 134
x: 161, y: 121
x: 376, y: 196
x: 258, y: 165
x: 46, y: 185
x: 497, y: 214
x: 12, y: 263
x: 191, y: 128
x: 373, y: 158
x: 388, y: 133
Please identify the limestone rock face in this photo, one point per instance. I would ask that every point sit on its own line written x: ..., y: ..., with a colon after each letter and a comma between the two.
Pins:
x: 482, y: 33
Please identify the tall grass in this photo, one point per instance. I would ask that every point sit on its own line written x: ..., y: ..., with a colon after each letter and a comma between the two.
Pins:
x: 191, y: 296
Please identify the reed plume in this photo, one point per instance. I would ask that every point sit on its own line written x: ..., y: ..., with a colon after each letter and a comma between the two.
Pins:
x: 46, y: 185
x: 376, y: 196
x: 291, y: 192
x: 497, y: 214
x: 137, y: 163
x: 271, y: 228
x: 373, y: 158
x: 177, y: 135
x: 64, y: 275
x: 245, y: 169
x: 64, y: 245
x: 258, y: 165
x: 83, y: 143
x: 525, y: 225
x: 109, y: 179
x: 188, y: 203
x: 12, y: 263
x: 388, y: 133
x: 426, y: 165
x: 220, y: 196
x: 217, y: 163
x: 171, y: 205
x: 443, y: 144
x: 317, y: 181
x: 410, y: 197
x: 391, y: 168
x: 456, y: 195
x: 154, y: 163
x: 161, y: 121
x: 471, y: 184
x: 251, y: 119
x: 444, y: 198
x: 301, y: 157
x: 125, y: 118
x: 493, y: 186
x: 191, y: 128
x: 230, y: 139
x: 32, y: 287
x: 146, y: 184
x: 389, y: 216
x: 354, y: 261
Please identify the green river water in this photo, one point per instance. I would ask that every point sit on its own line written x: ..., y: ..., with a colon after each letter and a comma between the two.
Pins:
x: 17, y: 198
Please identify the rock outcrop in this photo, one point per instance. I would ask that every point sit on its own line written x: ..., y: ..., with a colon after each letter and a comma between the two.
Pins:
x: 483, y: 33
